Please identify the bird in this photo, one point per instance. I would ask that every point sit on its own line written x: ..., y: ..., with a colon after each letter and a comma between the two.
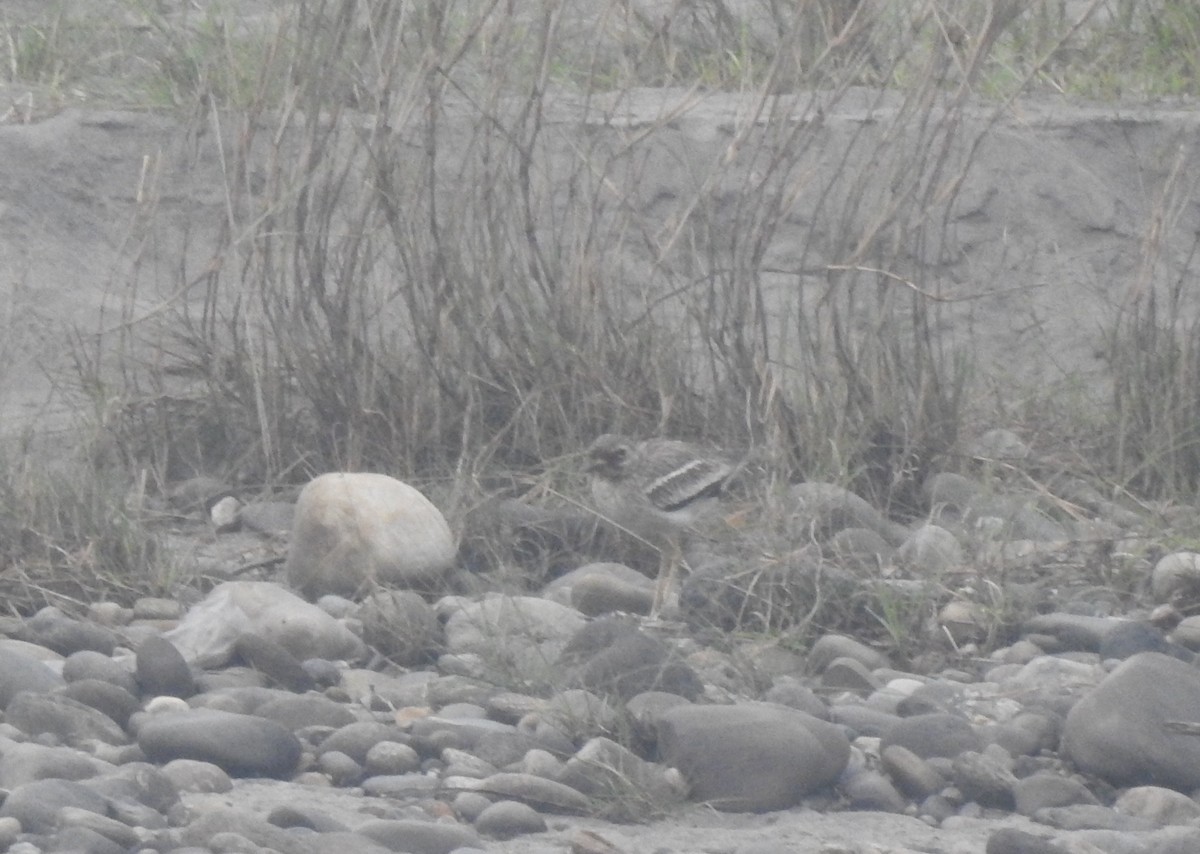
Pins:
x: 658, y: 490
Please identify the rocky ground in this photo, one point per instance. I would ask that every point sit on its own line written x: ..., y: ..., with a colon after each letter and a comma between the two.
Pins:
x: 1014, y: 673
x: 560, y: 718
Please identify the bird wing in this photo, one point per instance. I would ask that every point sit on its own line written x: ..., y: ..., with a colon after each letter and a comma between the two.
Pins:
x: 693, y: 479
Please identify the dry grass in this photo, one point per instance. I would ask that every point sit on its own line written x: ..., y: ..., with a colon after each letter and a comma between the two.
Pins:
x: 406, y: 279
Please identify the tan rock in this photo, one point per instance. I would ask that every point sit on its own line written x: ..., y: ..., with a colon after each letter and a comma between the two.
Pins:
x: 355, y: 531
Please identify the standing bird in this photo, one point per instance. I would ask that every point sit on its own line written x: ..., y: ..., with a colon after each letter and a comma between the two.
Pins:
x: 657, y: 489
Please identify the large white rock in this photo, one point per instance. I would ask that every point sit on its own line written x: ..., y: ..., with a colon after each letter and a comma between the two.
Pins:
x: 209, y: 631
x: 354, y: 531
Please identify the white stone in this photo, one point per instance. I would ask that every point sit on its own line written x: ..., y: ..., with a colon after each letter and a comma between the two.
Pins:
x: 1176, y: 573
x: 207, y: 634
x: 355, y: 531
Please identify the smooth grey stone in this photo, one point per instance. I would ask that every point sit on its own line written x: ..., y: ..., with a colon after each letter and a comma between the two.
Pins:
x: 1130, y: 637
x: 1010, y: 840
x: 984, y: 780
x: 1017, y: 740
x: 613, y: 656
x: 288, y: 815
x: 937, y: 734
x: 538, y: 792
x: 930, y: 550
x: 644, y: 710
x: 322, y: 672
x: 228, y: 678
x: 69, y: 720
x: 1162, y: 806
x: 862, y: 720
x: 200, y: 830
x: 267, y: 517
x: 193, y: 775
x: 832, y: 646
x: 242, y: 745
x: 1072, y: 631
x: 1173, y: 840
x: 298, y: 711
x: 89, y: 664
x: 247, y: 699
x: 510, y: 707
x: 789, y: 691
x: 1044, y: 790
x: 85, y: 839
x: 274, y: 661
x: 1117, y: 730
x: 413, y: 785
x: 24, y: 762
x: 118, y: 832
x: 356, y: 739
x: 401, y: 626
x: 444, y: 690
x: 133, y: 784
x: 849, y: 674
x: 111, y: 700
x: 10, y: 829
x: 506, y: 819
x: 54, y: 630
x: 392, y: 757
x: 162, y: 671
x: 625, y: 786
x: 157, y: 608
x: 341, y: 769
x: 751, y: 757
x: 870, y: 790
x: 914, y: 776
x: 20, y: 671
x: 599, y: 593
x: 419, y: 837
x: 579, y: 715
x: 467, y: 731
x: 859, y: 549
x: 1090, y: 816
x: 36, y: 804
x: 826, y: 508
x: 469, y: 805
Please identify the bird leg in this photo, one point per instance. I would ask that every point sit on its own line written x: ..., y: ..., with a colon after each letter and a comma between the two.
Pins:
x: 670, y: 557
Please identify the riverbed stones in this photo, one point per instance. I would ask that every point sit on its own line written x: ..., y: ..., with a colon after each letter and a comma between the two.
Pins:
x: 1117, y: 731
x: 20, y: 671
x: 208, y: 635
x: 355, y: 531
x: 614, y: 657
x: 274, y: 661
x: 36, y: 804
x: 53, y: 629
x: 241, y: 745
x: 67, y: 720
x: 1158, y: 804
x: 506, y: 819
x: 751, y: 757
x: 1176, y: 578
x: 401, y: 626
x: 824, y: 509
x: 520, y: 636
x: 934, y: 734
x: 160, y: 669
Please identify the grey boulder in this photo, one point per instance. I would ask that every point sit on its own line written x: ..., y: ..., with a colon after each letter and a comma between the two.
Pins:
x: 751, y: 757
x: 1117, y: 730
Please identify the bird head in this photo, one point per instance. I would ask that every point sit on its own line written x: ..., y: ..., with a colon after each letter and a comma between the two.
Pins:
x: 607, y: 456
